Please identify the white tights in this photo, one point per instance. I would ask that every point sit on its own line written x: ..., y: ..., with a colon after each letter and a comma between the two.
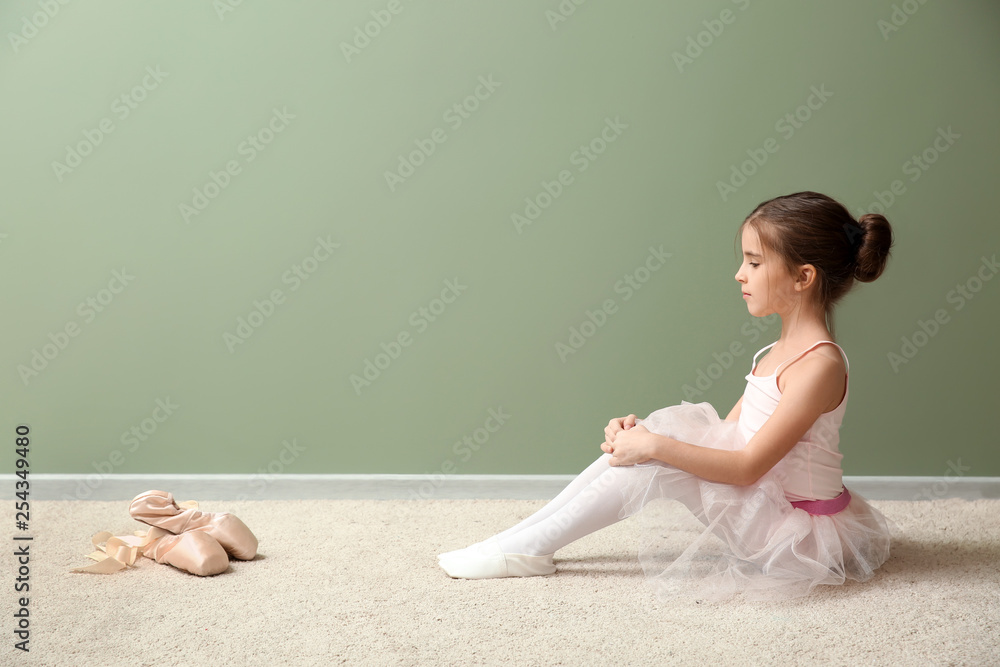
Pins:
x: 590, y: 502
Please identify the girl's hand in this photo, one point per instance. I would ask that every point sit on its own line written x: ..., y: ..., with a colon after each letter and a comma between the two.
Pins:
x: 616, y: 426
x: 630, y: 447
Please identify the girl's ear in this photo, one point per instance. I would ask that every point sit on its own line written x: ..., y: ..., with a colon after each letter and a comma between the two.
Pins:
x: 805, y: 278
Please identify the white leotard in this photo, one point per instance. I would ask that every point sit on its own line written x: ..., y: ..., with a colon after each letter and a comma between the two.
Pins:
x: 811, y: 470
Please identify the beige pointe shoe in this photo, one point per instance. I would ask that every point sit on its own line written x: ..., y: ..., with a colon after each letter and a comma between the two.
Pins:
x: 157, y: 508
x: 196, y: 552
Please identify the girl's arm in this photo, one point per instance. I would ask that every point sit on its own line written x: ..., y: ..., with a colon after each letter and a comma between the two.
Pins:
x: 808, y: 392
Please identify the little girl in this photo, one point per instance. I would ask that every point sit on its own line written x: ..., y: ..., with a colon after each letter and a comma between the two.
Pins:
x: 765, y: 482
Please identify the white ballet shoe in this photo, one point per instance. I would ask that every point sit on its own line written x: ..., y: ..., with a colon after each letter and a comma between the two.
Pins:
x: 489, y: 562
x: 472, y: 548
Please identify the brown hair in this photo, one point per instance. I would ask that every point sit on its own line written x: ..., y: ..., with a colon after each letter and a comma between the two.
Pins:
x: 811, y: 228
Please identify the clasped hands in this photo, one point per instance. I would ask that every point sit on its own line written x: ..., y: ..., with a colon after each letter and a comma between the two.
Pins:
x: 627, y: 443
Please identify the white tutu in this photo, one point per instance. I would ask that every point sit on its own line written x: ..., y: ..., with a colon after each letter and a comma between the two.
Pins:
x: 752, y: 540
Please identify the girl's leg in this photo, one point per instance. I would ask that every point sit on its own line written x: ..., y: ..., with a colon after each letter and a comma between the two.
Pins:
x: 595, y: 506
x: 579, y: 483
x: 589, y: 474
x: 594, y: 500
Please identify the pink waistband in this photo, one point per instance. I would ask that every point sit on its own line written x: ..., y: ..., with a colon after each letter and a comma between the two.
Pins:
x: 825, y: 507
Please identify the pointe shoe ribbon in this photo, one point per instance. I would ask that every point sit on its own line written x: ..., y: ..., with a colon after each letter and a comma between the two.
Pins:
x: 195, y: 552
x: 112, y: 554
x: 158, y: 509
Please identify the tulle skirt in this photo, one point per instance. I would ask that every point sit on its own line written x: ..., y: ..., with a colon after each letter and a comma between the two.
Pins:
x: 750, y: 540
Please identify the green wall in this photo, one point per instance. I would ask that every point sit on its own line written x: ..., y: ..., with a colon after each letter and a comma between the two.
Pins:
x: 117, y: 115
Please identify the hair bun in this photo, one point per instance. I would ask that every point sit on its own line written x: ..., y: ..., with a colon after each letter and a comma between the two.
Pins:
x: 873, y: 247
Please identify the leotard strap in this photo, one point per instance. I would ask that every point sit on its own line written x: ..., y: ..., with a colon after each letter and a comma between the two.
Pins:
x: 767, y: 347
x: 842, y: 353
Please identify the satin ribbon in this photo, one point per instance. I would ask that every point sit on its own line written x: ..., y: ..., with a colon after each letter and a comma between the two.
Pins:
x: 825, y: 507
x: 117, y: 552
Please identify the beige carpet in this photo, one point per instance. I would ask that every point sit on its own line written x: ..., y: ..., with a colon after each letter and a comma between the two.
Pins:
x: 357, y: 582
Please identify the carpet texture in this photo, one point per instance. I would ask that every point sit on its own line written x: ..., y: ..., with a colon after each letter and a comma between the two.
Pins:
x: 357, y: 582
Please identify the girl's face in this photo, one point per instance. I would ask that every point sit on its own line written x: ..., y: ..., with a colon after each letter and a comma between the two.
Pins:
x: 764, y: 282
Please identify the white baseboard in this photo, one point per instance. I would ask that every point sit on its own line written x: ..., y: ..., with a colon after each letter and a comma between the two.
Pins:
x: 417, y: 487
